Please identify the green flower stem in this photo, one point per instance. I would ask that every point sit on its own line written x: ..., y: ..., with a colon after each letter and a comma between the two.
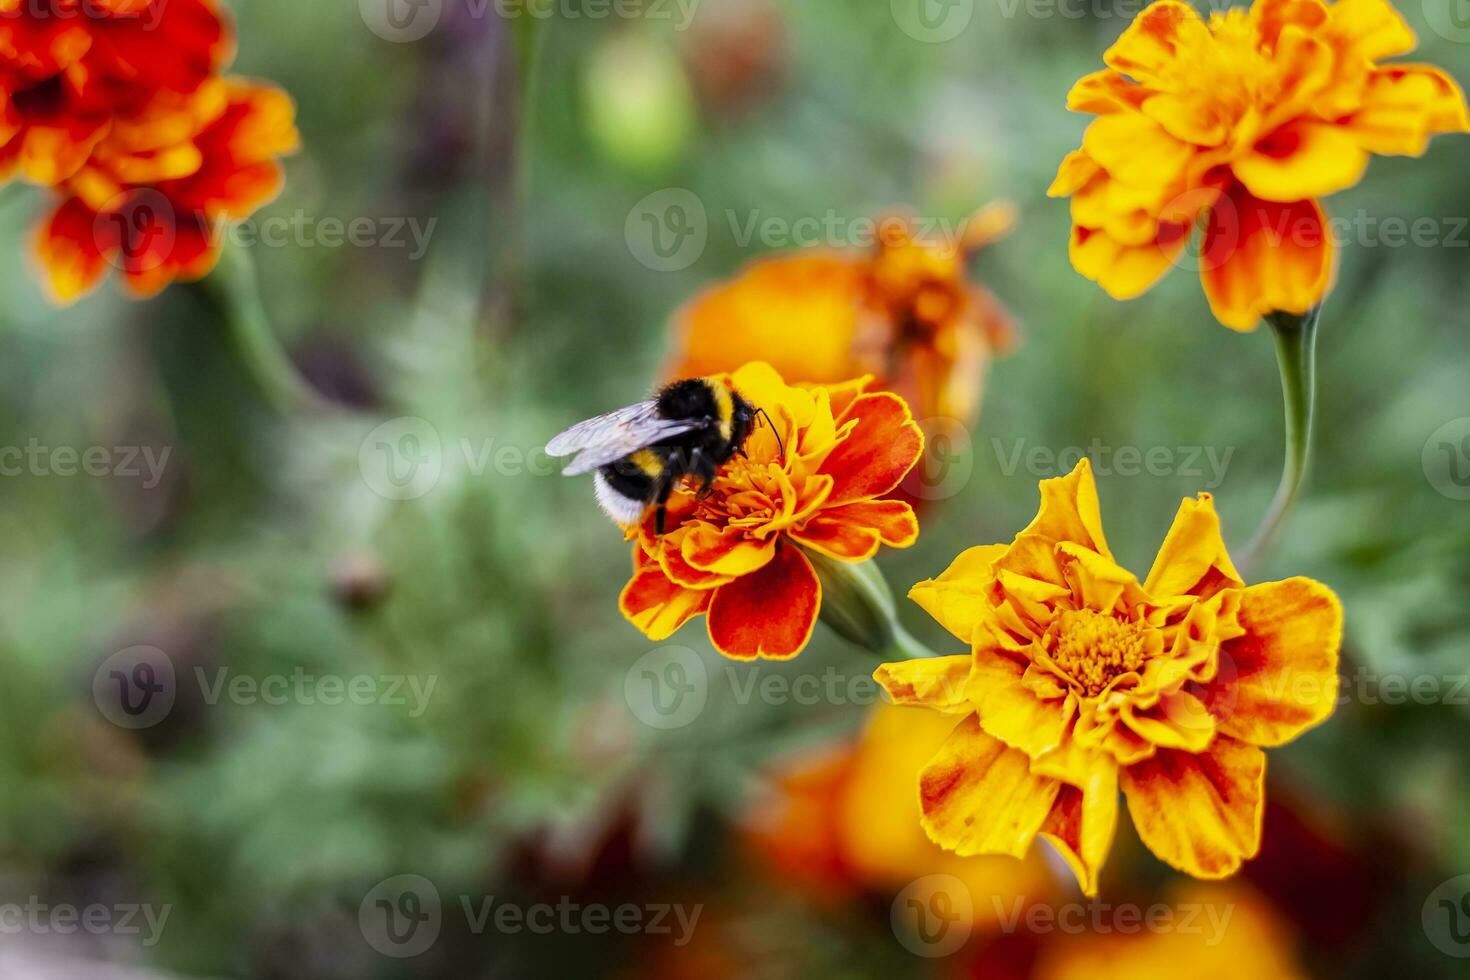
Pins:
x: 858, y: 606
x: 1296, y: 351
x: 238, y: 292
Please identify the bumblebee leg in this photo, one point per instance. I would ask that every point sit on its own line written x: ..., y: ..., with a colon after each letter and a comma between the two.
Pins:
x: 662, y: 489
x: 702, y: 467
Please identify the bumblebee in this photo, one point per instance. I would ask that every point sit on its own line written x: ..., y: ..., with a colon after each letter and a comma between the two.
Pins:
x: 688, y: 429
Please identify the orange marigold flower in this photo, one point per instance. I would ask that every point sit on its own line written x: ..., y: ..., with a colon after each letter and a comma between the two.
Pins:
x: 904, y: 313
x: 1246, y: 119
x: 154, y: 192
x: 69, y: 67
x: 1081, y: 680
x: 810, y: 480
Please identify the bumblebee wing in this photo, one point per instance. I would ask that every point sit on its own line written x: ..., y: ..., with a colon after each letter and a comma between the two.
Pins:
x: 610, y: 437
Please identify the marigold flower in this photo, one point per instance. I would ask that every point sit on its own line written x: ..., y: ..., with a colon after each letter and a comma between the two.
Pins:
x: 69, y: 67
x: 1081, y: 680
x: 1247, y: 120
x: 809, y: 480
x: 152, y: 195
x: 904, y: 313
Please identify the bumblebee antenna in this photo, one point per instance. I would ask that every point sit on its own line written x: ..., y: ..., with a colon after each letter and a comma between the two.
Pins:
x: 779, y: 443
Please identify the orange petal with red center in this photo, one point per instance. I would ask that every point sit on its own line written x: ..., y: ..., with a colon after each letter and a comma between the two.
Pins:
x: 854, y: 531
x: 980, y: 797
x: 726, y: 551
x: 1153, y: 44
x: 1082, y: 823
x: 1263, y: 256
x: 658, y: 606
x: 770, y: 613
x: 878, y: 453
x: 1193, y: 559
x: 1280, y: 678
x: 1200, y: 813
x: 938, y: 683
x: 1302, y: 160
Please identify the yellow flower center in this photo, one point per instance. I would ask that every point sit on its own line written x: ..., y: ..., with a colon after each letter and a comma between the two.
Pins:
x: 1093, y: 648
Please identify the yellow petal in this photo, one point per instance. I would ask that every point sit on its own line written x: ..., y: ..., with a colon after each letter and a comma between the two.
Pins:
x: 1011, y: 711
x: 1193, y: 559
x: 1082, y: 823
x: 938, y: 683
x: 1302, y: 160
x: 1403, y: 106
x: 958, y: 596
x: 980, y: 797
x: 1136, y: 150
x: 1280, y: 678
x: 1070, y: 511
x: 1124, y: 271
x: 1200, y: 813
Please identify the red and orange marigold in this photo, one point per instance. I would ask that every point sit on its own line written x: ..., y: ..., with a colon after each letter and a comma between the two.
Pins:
x: 809, y: 481
x: 1244, y: 120
x: 1082, y: 681
x: 153, y: 197
x: 68, y: 68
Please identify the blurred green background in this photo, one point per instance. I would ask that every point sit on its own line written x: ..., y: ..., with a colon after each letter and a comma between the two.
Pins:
x: 521, y: 147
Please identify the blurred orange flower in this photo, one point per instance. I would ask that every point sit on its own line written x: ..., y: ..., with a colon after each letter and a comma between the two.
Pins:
x: 1247, y: 120
x: 1231, y: 933
x: 151, y: 198
x: 69, y: 67
x: 904, y: 313
x: 1081, y: 680
x: 833, y: 822
x: 810, y: 480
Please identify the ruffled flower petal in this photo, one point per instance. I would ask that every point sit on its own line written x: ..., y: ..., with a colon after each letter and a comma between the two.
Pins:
x: 939, y: 683
x: 1262, y: 256
x: 770, y: 613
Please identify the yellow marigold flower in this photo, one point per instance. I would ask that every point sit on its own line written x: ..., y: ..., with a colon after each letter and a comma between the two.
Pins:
x: 809, y: 480
x: 1246, y: 119
x: 1232, y: 932
x: 903, y: 312
x: 1081, y: 680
